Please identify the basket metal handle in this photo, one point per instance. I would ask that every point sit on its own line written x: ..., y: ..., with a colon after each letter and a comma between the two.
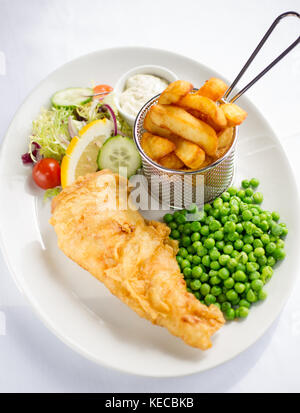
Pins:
x: 253, y: 55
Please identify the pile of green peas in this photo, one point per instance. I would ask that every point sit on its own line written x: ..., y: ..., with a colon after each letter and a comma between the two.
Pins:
x: 228, y: 249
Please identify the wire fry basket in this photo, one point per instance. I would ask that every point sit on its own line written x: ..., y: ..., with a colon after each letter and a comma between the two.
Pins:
x: 178, y: 188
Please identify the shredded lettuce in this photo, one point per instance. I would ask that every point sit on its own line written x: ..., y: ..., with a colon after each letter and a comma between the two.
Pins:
x: 90, y: 112
x: 52, y: 192
x: 50, y: 131
x: 124, y: 127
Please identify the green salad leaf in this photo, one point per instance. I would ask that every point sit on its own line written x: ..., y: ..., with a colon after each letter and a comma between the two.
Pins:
x: 52, y: 192
x: 50, y: 131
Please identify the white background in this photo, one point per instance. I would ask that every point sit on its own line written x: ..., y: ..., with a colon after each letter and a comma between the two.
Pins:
x: 36, y: 37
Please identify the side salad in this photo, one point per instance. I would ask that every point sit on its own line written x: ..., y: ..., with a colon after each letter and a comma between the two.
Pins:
x: 80, y: 133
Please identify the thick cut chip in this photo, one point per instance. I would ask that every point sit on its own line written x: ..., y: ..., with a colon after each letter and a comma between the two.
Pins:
x: 205, y: 109
x: 154, y: 129
x: 171, y: 161
x: 213, y: 88
x: 234, y: 114
x: 225, y: 138
x: 174, y: 92
x: 182, y: 123
x: 190, y: 153
x: 156, y: 147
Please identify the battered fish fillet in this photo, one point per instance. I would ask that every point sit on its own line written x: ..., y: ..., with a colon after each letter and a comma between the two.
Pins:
x: 135, y: 259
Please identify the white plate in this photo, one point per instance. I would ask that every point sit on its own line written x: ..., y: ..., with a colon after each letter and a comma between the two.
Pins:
x: 73, y: 304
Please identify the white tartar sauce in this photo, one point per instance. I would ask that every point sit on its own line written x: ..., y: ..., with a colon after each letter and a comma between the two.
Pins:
x: 138, y: 90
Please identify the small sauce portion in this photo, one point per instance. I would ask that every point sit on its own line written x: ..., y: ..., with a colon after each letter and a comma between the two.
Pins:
x: 138, y: 90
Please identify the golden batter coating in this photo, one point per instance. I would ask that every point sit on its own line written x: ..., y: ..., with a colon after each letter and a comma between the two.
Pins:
x: 135, y: 259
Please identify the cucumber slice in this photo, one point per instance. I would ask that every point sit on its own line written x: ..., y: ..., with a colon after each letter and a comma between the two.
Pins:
x: 119, y: 152
x: 71, y: 97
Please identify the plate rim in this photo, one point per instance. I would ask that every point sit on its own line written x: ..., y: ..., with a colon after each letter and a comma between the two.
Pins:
x: 30, y: 298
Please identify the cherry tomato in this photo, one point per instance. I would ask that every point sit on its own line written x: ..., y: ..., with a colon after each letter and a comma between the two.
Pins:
x: 101, y: 89
x: 46, y: 173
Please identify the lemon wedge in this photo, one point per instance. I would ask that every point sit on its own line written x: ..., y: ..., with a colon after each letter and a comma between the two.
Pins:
x: 82, y: 152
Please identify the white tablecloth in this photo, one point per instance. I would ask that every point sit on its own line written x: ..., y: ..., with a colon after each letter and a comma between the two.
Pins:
x: 36, y: 37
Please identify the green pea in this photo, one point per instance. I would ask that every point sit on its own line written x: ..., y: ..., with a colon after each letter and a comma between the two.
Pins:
x: 197, y: 272
x: 220, y: 245
x: 275, y: 216
x: 197, y: 244
x: 230, y: 314
x: 195, y: 226
x: 175, y: 234
x: 244, y: 303
x: 256, y: 220
x: 254, y: 182
x: 223, y: 259
x: 228, y: 249
x: 213, y: 273
x: 232, y: 191
x: 195, y: 285
x: 214, y: 254
x: 186, y: 241
x: 231, y: 295
x: 222, y: 298
x: 247, y: 215
x: 247, y: 248
x: 241, y: 194
x: 185, y: 263
x: 258, y: 198
x: 245, y: 183
x: 224, y: 273
x: 196, y: 260
x: 210, y: 299
x: 204, y: 277
x: 249, y: 192
x: 271, y: 261
x: 239, y: 228
x: 187, y: 229
x: 168, y: 218
x: 242, y: 312
x: 201, y: 251
x: 259, y: 252
x: 238, y: 244
x: 219, y: 235
x: 239, y: 287
x: 262, y: 295
x: 209, y: 243
x: 232, y: 264
x: 216, y: 290
x: 173, y: 225
x: 205, y: 289
x: 204, y: 230
x: 239, y: 276
x: 251, y: 297
x: 179, y: 259
x: 265, y: 239
x: 206, y: 260
x: 229, y: 226
x: 197, y: 295
x: 190, y: 258
x: 251, y: 257
x: 255, y: 275
x: 229, y: 282
x: 248, y: 199
x: 257, y: 285
x: 180, y: 219
x: 225, y: 305
x: 187, y: 272
x: 215, y: 280
x: 215, y: 265
x: 257, y: 243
